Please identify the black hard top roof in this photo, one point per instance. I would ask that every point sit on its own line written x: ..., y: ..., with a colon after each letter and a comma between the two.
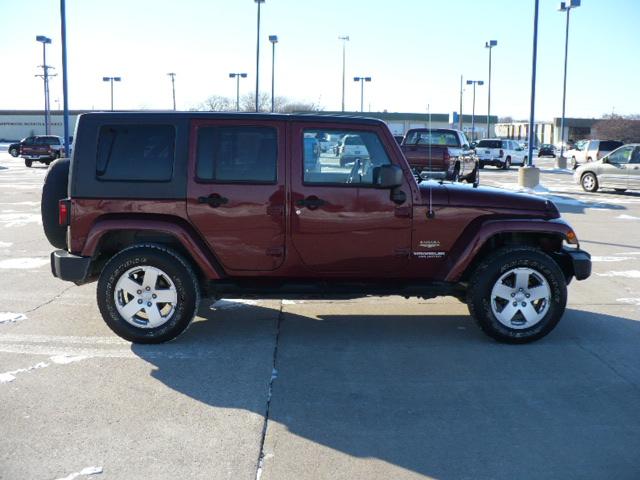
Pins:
x: 298, y: 117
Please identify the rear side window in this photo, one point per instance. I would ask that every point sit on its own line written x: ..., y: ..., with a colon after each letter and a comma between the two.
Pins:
x: 237, y: 154
x: 609, y: 145
x: 136, y: 153
x: 489, y: 144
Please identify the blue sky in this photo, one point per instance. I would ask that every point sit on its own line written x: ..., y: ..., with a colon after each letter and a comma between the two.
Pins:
x: 415, y: 50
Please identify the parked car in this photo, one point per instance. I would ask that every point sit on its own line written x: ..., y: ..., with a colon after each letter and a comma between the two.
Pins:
x: 14, y: 148
x: 41, y: 148
x: 592, y: 151
x: 619, y: 170
x: 164, y: 208
x: 399, y: 138
x: 352, y: 148
x: 500, y: 153
x: 547, y: 150
x: 440, y: 153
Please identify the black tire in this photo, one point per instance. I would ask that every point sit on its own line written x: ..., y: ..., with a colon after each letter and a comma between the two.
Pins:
x: 175, y: 267
x: 507, y: 163
x: 14, y: 152
x: 574, y: 163
x: 455, y: 176
x: 620, y: 190
x: 54, y: 189
x: 488, y: 273
x: 471, y: 177
x: 481, y: 166
x: 589, y: 182
x: 525, y: 160
x: 28, y: 163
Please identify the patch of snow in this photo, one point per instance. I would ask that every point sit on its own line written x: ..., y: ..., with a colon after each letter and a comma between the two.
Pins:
x: 10, y: 220
x: 624, y: 274
x: 11, y: 376
x: 5, y: 244
x: 84, y: 472
x: 291, y: 302
x: 629, y: 301
x: 609, y: 259
x: 11, y: 317
x: 24, y: 263
x: 66, y: 359
x: 627, y: 217
x: 232, y: 303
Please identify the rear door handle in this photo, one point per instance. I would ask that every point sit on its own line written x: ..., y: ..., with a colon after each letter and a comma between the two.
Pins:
x: 311, y: 202
x: 214, y: 200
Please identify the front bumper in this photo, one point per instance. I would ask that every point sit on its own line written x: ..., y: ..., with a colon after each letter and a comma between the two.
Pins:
x: 69, y: 267
x: 581, y: 262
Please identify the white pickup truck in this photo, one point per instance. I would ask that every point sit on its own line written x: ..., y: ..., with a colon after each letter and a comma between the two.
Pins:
x: 500, y: 153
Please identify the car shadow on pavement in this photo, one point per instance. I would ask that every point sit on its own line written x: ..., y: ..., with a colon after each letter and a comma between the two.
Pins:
x: 429, y: 394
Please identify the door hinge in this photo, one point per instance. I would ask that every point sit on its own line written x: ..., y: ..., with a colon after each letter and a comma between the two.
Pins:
x: 275, y: 251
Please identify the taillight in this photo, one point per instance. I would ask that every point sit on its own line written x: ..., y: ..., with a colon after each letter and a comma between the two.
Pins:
x: 64, y: 212
x: 501, y: 153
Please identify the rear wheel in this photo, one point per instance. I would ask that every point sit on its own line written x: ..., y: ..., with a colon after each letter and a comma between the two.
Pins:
x: 517, y: 295
x: 574, y: 163
x: 507, y: 163
x: 148, y: 294
x: 14, y: 152
x: 54, y: 189
x: 589, y: 182
x: 28, y: 163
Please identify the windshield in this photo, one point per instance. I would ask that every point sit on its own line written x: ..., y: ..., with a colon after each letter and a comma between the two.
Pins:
x: 490, y: 144
x: 432, y: 137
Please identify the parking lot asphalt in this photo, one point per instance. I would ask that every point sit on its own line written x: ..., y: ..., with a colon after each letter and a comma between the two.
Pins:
x: 376, y: 388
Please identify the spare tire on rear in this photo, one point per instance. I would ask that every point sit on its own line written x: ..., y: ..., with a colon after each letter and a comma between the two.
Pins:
x: 55, y: 189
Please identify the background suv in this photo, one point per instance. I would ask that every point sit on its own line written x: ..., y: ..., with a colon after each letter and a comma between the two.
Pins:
x: 500, y: 153
x: 594, y: 150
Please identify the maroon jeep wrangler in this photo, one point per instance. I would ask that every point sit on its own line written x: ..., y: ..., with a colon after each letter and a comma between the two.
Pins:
x: 165, y: 208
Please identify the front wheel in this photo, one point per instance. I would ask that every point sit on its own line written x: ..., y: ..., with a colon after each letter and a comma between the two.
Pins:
x: 517, y: 295
x: 28, y: 163
x: 589, y: 182
x: 148, y: 294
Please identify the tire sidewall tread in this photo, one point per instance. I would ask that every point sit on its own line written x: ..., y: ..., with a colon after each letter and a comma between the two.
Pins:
x: 172, y: 263
x: 495, y: 265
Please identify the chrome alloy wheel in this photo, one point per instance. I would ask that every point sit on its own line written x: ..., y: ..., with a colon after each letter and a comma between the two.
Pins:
x: 588, y: 182
x: 520, y: 298
x: 145, y: 297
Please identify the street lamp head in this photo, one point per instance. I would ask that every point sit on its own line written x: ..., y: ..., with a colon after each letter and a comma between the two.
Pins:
x: 469, y: 82
x: 106, y: 79
x: 259, y: 1
x: 480, y: 82
x: 490, y: 44
x: 565, y: 6
x: 273, y: 38
x: 367, y: 79
x: 243, y: 75
x: 43, y: 39
x: 344, y: 37
x: 356, y: 79
x: 171, y: 74
x: 117, y: 79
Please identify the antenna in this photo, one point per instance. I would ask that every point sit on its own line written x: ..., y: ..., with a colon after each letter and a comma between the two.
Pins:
x: 430, y: 213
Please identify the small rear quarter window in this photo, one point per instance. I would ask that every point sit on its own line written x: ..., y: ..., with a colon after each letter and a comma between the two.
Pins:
x: 143, y: 153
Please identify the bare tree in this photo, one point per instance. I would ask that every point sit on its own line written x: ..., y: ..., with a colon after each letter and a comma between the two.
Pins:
x: 248, y: 102
x: 217, y: 103
x: 616, y: 127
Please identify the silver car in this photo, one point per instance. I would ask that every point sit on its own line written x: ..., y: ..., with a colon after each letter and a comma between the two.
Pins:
x: 619, y: 170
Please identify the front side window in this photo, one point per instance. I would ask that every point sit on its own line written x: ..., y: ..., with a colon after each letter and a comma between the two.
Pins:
x: 237, y: 154
x: 135, y: 153
x: 622, y: 155
x: 352, y: 160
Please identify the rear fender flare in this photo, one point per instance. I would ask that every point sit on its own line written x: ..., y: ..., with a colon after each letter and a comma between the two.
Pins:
x: 202, y: 258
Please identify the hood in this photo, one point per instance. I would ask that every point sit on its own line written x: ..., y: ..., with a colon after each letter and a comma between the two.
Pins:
x: 497, y: 199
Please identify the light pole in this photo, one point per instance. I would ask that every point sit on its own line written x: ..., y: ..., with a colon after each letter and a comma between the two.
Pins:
x: 565, y: 7
x: 362, y: 80
x: 345, y: 39
x: 460, y: 116
x: 238, y: 76
x: 490, y: 44
x: 259, y: 2
x: 65, y: 99
x: 473, y: 111
x: 173, y: 87
x: 273, y: 39
x: 111, y: 79
x: 45, y: 40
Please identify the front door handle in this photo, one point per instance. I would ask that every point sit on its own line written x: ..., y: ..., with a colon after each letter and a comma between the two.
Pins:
x: 311, y: 202
x: 214, y: 200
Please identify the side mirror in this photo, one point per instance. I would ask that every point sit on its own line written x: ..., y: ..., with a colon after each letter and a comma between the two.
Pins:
x: 387, y: 176
x: 465, y: 147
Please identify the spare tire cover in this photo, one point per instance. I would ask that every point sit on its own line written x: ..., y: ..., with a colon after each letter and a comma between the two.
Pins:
x: 54, y: 189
